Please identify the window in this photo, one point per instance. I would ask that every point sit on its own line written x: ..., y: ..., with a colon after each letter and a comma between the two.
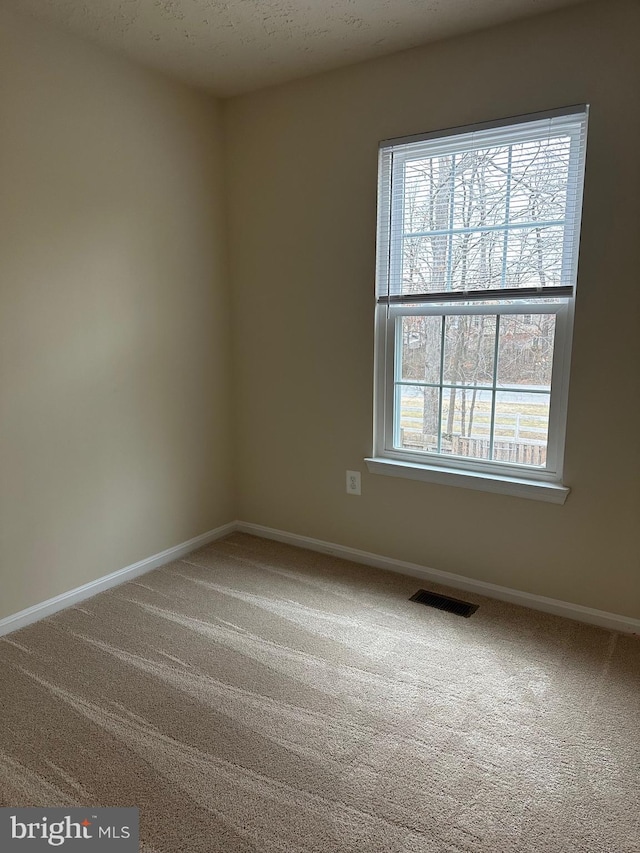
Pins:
x: 477, y: 251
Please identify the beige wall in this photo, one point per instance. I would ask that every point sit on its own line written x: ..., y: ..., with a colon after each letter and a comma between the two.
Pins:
x: 114, y: 356
x: 117, y: 421
x: 302, y: 161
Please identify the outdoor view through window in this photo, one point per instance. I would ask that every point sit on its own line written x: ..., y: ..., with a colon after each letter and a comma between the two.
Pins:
x: 477, y: 257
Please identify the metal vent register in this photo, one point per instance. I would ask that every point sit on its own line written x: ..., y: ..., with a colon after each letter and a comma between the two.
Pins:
x: 443, y: 602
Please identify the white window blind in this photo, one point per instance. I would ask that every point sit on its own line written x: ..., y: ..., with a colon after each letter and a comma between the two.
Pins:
x: 482, y: 210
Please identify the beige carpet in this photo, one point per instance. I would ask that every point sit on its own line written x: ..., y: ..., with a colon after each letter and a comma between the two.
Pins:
x: 257, y: 697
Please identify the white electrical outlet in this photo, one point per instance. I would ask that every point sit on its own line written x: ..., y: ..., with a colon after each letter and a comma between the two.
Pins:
x: 353, y: 482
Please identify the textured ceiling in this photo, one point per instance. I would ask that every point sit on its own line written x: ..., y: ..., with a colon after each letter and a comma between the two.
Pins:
x: 232, y: 46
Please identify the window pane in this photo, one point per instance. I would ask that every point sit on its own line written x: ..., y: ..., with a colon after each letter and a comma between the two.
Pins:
x: 425, y: 264
x: 525, y: 350
x: 421, y: 342
x: 539, y: 180
x: 476, y: 260
x: 469, y: 349
x: 534, y: 257
x: 419, y: 410
x: 521, y: 428
x: 466, y: 422
x: 427, y: 194
x: 480, y: 181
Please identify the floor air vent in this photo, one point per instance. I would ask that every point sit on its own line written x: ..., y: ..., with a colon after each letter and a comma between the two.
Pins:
x: 443, y: 602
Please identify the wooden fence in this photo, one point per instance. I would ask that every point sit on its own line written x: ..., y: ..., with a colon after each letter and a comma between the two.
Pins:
x: 518, y: 452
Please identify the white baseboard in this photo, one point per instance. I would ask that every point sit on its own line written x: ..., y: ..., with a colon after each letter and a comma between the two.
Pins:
x: 67, y: 599
x: 612, y: 621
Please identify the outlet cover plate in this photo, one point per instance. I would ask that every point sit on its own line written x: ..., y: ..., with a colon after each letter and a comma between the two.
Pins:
x: 353, y: 483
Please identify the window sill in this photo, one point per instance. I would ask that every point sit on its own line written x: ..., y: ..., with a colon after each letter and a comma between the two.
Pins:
x: 536, y: 490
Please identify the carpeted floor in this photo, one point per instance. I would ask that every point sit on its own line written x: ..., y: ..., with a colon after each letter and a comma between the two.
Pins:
x: 257, y: 697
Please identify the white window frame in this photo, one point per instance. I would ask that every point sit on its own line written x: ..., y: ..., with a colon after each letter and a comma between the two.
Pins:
x: 503, y: 477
